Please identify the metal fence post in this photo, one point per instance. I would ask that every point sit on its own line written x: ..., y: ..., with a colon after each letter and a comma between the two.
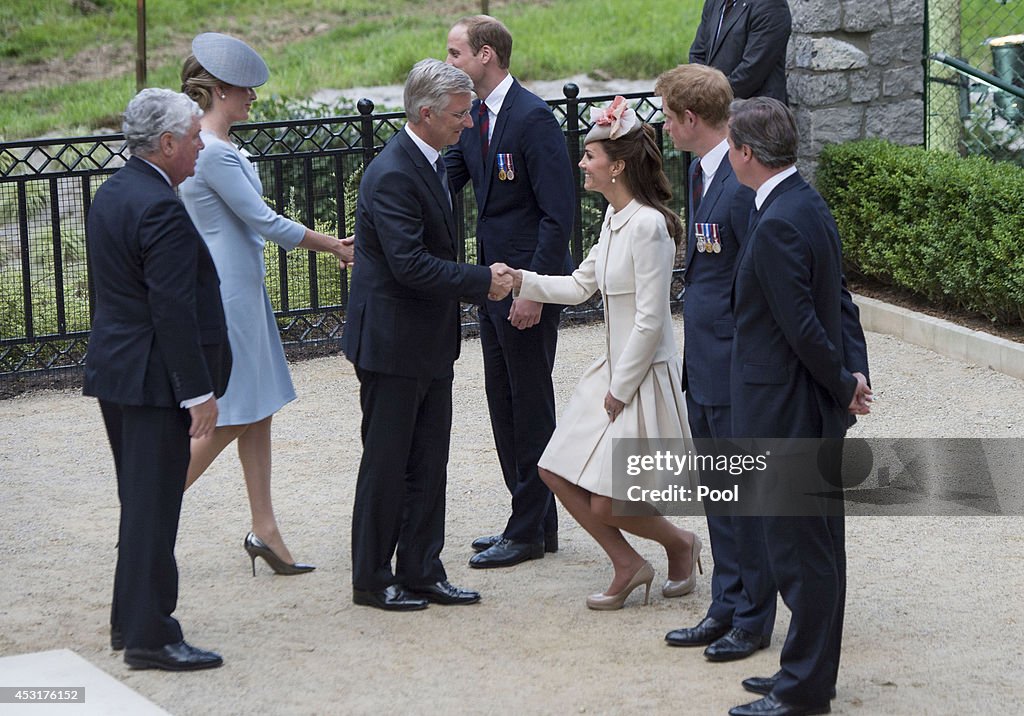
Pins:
x: 572, y: 142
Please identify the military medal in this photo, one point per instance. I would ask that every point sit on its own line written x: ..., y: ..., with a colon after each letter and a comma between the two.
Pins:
x: 716, y: 245
x: 501, y: 167
x: 510, y: 172
x: 699, y: 231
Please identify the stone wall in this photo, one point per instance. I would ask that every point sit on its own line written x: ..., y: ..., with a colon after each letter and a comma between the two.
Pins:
x: 855, y: 71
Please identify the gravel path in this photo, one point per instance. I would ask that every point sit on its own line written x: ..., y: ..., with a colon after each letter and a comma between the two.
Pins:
x: 934, y: 607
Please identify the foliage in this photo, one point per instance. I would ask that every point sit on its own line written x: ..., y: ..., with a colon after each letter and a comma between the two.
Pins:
x: 944, y: 227
x: 312, y: 44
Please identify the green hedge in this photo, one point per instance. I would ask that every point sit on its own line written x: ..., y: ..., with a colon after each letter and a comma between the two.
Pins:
x: 950, y: 229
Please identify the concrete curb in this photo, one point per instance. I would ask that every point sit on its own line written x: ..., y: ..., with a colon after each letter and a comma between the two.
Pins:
x: 945, y: 338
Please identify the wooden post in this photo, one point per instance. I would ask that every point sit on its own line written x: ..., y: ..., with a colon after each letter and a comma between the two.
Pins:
x: 140, y: 45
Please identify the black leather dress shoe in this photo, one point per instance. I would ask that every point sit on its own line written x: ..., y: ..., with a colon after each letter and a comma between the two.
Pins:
x: 445, y: 593
x: 116, y: 639
x: 482, y: 543
x: 764, y: 684
x: 771, y: 706
x: 172, y: 657
x: 505, y: 553
x: 737, y: 644
x: 701, y: 635
x: 393, y: 599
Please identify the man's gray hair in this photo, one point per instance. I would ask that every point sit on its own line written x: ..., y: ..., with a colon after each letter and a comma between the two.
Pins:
x: 154, y: 111
x: 428, y: 85
x: 768, y: 127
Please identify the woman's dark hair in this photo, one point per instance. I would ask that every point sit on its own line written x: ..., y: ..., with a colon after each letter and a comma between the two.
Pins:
x: 644, y: 175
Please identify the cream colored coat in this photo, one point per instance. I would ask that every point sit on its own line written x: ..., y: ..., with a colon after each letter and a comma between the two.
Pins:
x: 631, y: 265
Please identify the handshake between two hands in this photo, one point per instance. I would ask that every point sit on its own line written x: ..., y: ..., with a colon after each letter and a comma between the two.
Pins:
x: 503, y: 280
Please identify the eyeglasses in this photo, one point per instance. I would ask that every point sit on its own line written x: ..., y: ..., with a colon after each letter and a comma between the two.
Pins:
x: 460, y: 115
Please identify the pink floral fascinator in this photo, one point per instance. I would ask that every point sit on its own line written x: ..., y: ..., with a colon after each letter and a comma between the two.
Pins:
x: 611, y: 122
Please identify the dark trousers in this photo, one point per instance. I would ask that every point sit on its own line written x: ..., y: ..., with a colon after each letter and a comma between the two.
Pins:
x: 151, y: 454
x: 521, y: 402
x: 742, y: 589
x: 400, y: 491
x: 807, y: 555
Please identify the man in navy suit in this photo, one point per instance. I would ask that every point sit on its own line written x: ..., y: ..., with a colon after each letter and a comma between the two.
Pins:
x: 798, y: 370
x: 517, y: 160
x: 402, y: 333
x: 746, y: 39
x: 158, y: 357
x: 695, y: 100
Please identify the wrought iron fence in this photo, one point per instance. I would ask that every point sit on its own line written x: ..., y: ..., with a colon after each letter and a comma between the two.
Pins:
x: 310, y: 169
x: 975, y: 103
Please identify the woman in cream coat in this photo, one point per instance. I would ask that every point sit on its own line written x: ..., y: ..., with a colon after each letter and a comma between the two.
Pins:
x: 635, y: 390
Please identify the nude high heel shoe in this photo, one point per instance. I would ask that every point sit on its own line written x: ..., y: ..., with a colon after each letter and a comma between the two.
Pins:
x: 682, y: 587
x: 608, y: 602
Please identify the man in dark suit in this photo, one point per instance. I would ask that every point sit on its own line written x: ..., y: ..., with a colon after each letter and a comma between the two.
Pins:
x: 158, y: 356
x: 746, y: 39
x: 403, y: 335
x: 695, y: 100
x: 798, y: 371
x: 516, y: 157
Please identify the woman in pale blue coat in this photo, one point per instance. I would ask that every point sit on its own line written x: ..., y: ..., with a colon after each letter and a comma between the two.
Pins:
x: 225, y: 201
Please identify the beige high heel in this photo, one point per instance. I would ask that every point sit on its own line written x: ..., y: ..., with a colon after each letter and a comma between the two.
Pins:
x: 681, y: 587
x: 608, y: 602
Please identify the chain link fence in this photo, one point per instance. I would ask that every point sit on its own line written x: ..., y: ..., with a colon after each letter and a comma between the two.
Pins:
x: 975, y: 72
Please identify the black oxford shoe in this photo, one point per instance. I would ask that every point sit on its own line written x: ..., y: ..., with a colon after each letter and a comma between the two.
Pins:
x: 488, y: 541
x: 172, y: 657
x: 393, y: 599
x: 764, y: 684
x: 505, y: 553
x: 737, y: 644
x: 116, y: 639
x: 701, y: 635
x: 771, y: 706
x: 445, y: 593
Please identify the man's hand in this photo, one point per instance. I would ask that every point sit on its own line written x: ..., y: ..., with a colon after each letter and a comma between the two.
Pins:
x: 862, y: 396
x: 346, y: 252
x: 501, y: 282
x: 525, y: 313
x: 204, y: 418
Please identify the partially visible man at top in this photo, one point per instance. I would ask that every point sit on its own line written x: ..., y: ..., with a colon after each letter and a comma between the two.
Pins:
x: 158, y: 358
x: 746, y: 39
x: 516, y: 158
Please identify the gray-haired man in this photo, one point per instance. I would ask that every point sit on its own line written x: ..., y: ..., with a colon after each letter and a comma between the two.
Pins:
x: 158, y: 354
x: 402, y: 334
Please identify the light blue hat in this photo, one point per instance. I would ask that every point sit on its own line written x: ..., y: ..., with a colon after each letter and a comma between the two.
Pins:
x: 230, y: 60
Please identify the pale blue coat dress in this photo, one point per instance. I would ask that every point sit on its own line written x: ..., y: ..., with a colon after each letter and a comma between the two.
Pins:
x: 225, y: 201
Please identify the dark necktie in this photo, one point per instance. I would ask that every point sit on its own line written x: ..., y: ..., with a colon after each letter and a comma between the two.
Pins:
x: 696, y: 186
x: 442, y: 176
x: 721, y: 21
x: 483, y: 123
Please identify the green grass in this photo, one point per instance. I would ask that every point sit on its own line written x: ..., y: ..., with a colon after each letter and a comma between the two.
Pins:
x: 358, y: 42
x: 981, y: 19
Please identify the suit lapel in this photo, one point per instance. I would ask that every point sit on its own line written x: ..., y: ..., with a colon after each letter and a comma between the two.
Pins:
x: 734, y: 15
x: 787, y: 184
x: 429, y: 177
x: 499, y: 130
x: 707, y: 205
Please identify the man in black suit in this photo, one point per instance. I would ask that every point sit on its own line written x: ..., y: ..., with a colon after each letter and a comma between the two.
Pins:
x: 798, y: 371
x: 695, y: 100
x: 517, y: 160
x: 403, y: 335
x: 158, y: 357
x: 746, y: 39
